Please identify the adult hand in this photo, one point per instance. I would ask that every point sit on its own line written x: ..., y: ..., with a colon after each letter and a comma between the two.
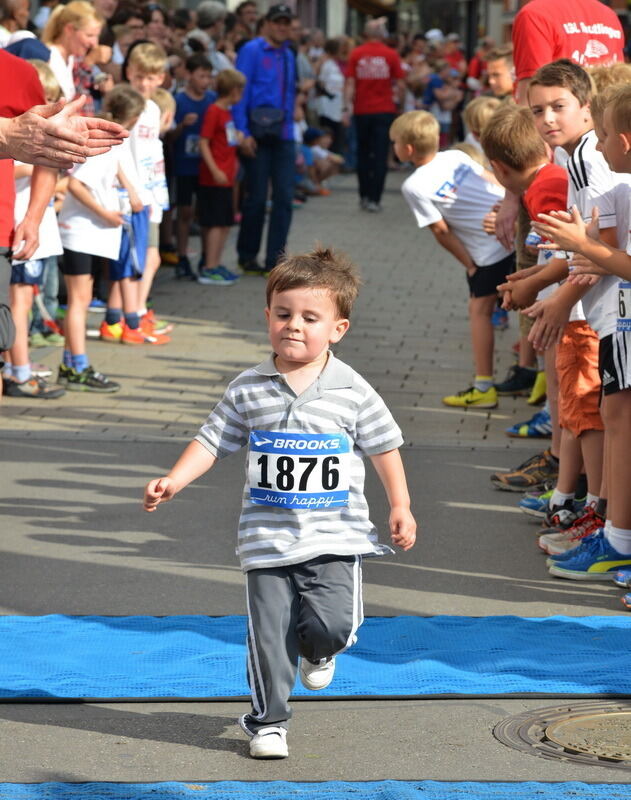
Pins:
x: 56, y: 136
x: 506, y: 219
x: 248, y: 147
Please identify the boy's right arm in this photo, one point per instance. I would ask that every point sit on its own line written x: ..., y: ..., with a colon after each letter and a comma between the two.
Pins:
x: 194, y: 462
x: 448, y: 239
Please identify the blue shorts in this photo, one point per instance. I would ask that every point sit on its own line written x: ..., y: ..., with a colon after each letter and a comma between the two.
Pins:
x: 133, y: 253
x: 30, y: 272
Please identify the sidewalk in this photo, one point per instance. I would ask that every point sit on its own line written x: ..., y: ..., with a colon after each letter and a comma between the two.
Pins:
x: 409, y: 337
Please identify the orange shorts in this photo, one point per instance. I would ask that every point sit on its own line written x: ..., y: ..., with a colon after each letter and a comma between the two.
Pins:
x: 579, y: 381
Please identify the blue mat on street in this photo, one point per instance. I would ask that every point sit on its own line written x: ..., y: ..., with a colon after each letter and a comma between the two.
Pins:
x: 195, y: 656
x: 331, y: 790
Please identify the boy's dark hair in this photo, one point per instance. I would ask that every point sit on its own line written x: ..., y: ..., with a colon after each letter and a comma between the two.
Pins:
x: 511, y: 138
x: 181, y: 18
x: 198, y: 61
x: 568, y: 75
x: 321, y: 269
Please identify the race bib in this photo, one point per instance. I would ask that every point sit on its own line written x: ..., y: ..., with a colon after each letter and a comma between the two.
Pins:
x: 231, y: 134
x: 299, y: 470
x: 191, y: 145
x: 624, y: 306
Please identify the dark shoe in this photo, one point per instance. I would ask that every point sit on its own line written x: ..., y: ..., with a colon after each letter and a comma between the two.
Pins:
x: 33, y: 387
x: 88, y: 381
x: 519, y: 381
x: 531, y: 476
x: 183, y: 270
x: 254, y: 268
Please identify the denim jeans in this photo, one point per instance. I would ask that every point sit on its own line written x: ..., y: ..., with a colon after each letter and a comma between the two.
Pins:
x: 373, y: 142
x: 275, y: 162
x: 50, y: 291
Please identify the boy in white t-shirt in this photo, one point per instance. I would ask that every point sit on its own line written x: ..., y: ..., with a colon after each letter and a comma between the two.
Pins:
x: 451, y: 194
x: 146, y: 70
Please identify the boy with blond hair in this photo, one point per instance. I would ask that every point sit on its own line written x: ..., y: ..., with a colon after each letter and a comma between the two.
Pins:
x: 451, y: 194
x: 476, y: 115
x: 304, y: 524
x: 609, y: 550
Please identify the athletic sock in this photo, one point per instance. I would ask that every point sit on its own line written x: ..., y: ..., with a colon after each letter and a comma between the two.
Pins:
x: 581, y: 486
x: 591, y: 498
x: 483, y: 382
x: 80, y: 362
x: 7, y: 370
x: 541, y: 363
x: 67, y: 358
x: 619, y: 539
x: 142, y: 312
x: 113, y: 315
x: 22, y: 373
x: 558, y: 498
x: 132, y: 321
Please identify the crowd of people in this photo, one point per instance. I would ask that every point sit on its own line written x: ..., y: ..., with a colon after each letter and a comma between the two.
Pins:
x: 240, y: 118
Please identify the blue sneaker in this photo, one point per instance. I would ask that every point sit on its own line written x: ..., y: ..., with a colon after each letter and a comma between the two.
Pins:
x: 536, y: 504
x: 555, y: 557
x: 219, y: 276
x: 499, y: 319
x: 538, y: 427
x: 593, y: 560
x: 97, y: 305
x: 626, y: 601
x: 622, y: 577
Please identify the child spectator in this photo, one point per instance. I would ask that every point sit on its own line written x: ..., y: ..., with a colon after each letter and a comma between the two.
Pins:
x: 191, y: 106
x: 442, y: 95
x: 599, y: 555
x: 451, y: 194
x: 122, y: 320
x: 218, y: 172
x: 90, y: 225
x: 476, y: 115
x: 166, y: 103
x: 146, y: 69
x: 323, y: 163
x: 301, y: 542
x: 500, y: 72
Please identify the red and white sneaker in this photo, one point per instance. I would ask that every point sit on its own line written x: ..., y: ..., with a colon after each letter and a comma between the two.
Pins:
x: 142, y: 336
x: 562, y: 541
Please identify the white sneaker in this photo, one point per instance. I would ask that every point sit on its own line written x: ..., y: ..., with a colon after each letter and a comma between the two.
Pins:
x: 269, y: 743
x: 316, y: 676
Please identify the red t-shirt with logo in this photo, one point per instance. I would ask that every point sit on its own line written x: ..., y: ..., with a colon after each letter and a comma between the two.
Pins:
x: 218, y: 127
x: 374, y: 66
x: 20, y: 90
x: 586, y: 31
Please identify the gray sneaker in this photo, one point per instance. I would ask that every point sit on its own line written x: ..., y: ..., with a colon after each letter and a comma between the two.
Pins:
x: 34, y: 387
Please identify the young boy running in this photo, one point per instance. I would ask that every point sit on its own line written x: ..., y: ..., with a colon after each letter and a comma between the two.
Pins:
x: 451, y: 194
x: 307, y: 419
x: 609, y: 548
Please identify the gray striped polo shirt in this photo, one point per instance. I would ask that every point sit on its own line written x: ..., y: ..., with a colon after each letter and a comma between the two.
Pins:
x: 338, y: 401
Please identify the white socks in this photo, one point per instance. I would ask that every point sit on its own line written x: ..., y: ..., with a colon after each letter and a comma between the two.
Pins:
x: 618, y: 538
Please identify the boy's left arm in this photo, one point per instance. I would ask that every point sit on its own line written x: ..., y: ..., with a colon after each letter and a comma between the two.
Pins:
x: 389, y: 468
x: 448, y: 239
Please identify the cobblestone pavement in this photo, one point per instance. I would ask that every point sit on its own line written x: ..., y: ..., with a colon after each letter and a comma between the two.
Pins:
x: 409, y: 337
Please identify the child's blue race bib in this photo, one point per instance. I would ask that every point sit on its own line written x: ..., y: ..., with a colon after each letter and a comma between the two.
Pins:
x: 299, y: 470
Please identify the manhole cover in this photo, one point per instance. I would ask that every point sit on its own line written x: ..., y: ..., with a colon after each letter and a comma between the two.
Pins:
x: 607, y: 735
x: 595, y: 733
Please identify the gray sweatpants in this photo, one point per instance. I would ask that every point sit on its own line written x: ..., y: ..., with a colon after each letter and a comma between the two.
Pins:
x: 312, y: 610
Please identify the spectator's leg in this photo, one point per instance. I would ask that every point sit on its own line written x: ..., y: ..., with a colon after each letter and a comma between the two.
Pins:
x: 256, y: 185
x: 381, y: 145
x: 282, y: 169
x: 482, y: 341
x: 364, y: 154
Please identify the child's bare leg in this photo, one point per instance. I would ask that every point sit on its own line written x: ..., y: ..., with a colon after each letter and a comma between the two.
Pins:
x: 21, y: 298
x: 552, y: 392
x: 527, y: 356
x: 482, y: 339
x: 215, y: 239
x: 592, y: 443
x: 114, y: 298
x: 570, y: 462
x: 617, y: 416
x: 152, y: 265
x: 79, y: 297
x: 128, y: 290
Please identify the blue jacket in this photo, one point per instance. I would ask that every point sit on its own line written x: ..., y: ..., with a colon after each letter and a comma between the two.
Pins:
x: 271, y: 81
